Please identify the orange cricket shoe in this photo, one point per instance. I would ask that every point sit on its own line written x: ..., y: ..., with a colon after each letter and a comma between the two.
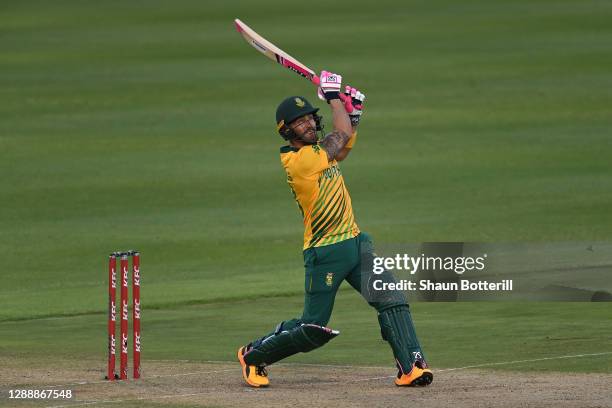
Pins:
x: 255, y: 376
x: 419, y: 376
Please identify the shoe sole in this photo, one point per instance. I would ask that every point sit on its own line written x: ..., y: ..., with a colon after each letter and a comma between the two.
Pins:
x: 243, y: 365
x: 423, y: 381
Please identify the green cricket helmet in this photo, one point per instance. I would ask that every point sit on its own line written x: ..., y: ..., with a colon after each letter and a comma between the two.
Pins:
x: 290, y: 109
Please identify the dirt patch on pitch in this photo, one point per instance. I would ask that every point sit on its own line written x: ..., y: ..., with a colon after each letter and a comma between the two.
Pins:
x: 176, y: 383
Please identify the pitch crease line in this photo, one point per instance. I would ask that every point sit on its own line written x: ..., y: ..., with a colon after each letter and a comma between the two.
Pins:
x: 148, y: 376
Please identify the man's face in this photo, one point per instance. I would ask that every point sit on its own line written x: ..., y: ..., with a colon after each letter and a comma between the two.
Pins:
x: 306, y: 128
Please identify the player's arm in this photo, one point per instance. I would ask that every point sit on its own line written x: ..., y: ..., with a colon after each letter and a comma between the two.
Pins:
x: 347, y: 147
x: 357, y: 99
x: 335, y: 141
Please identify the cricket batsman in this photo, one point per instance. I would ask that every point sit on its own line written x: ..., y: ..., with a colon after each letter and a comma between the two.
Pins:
x: 334, y: 247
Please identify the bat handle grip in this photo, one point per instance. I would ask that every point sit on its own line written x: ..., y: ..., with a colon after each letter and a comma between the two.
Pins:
x: 346, y: 100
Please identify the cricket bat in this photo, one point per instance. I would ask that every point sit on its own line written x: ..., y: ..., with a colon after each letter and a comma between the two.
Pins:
x: 276, y: 54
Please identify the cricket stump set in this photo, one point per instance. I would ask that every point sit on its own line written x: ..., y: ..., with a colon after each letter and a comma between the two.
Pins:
x: 112, y: 314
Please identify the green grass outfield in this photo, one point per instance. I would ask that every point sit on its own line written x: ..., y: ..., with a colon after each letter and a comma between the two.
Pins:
x: 454, y: 334
x: 125, y: 124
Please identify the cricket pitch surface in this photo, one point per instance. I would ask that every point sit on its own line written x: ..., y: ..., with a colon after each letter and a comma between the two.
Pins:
x: 220, y: 384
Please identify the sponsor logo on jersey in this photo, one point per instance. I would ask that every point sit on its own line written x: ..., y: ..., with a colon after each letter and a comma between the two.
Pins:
x: 331, y: 172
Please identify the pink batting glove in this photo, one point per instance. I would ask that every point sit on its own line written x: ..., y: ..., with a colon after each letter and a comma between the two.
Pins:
x: 356, y: 109
x: 329, y: 86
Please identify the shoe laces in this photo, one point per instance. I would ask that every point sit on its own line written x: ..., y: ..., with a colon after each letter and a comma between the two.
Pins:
x: 421, y: 364
x: 261, y: 371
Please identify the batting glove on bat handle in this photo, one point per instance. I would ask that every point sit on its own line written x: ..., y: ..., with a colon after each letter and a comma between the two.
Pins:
x: 356, y: 97
x: 320, y: 93
x: 330, y: 85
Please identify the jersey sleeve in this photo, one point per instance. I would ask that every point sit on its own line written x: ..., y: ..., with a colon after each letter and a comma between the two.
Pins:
x: 309, y: 160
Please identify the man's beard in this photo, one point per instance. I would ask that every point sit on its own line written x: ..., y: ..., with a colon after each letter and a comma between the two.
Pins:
x: 309, y: 137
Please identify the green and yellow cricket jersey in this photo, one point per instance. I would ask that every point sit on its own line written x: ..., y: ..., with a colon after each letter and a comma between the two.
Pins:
x: 319, y: 190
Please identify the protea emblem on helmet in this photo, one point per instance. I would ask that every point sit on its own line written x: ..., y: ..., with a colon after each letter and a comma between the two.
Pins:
x: 299, y: 102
